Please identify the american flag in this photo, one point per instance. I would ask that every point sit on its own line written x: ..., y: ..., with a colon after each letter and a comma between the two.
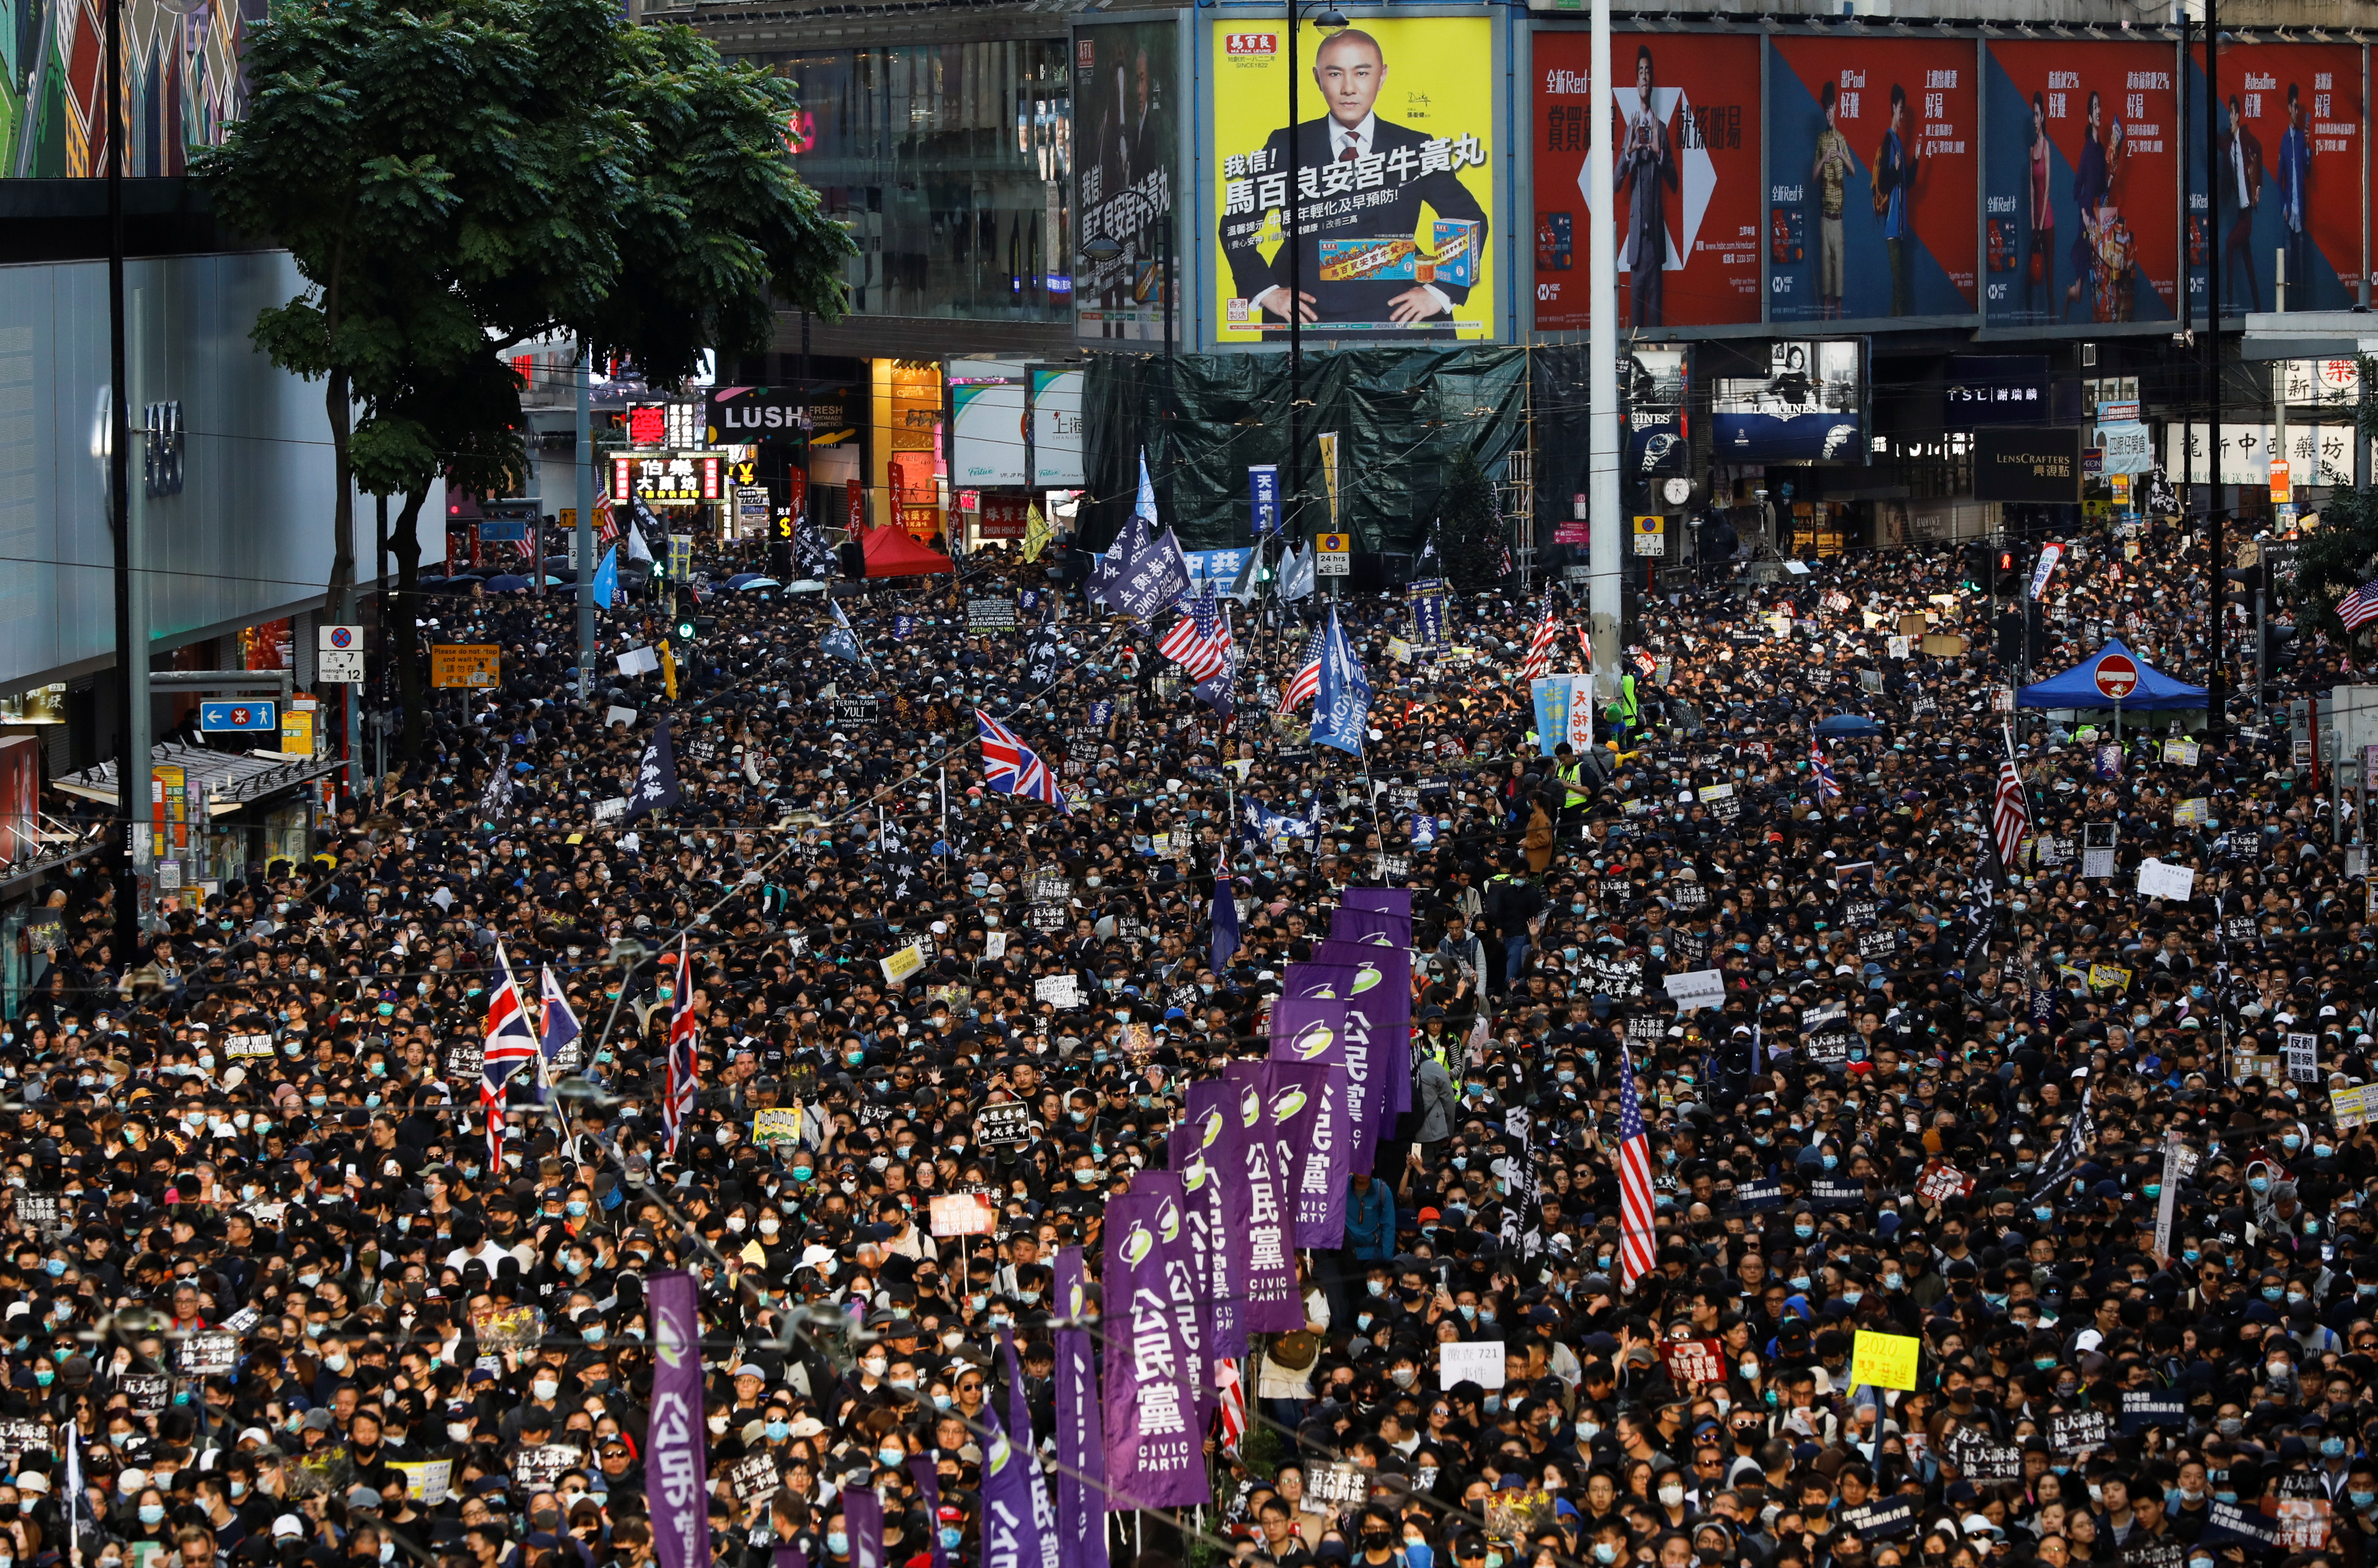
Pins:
x: 2359, y: 607
x: 1010, y: 767
x: 1540, y: 647
x: 1828, y: 786
x: 2010, y: 813
x: 1307, y: 680
x: 684, y: 1083
x: 509, y: 1042
x: 1635, y: 1229
x: 607, y: 525
x: 1233, y: 1393
x: 1200, y: 641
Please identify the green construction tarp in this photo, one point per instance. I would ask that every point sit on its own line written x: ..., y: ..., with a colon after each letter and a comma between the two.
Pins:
x: 1402, y: 416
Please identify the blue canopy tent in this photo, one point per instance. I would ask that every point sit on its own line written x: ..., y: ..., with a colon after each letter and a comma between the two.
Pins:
x: 2077, y: 688
x: 1848, y: 724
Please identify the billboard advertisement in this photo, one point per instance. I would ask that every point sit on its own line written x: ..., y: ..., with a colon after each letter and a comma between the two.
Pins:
x: 1124, y: 77
x: 1687, y: 172
x: 1056, y: 427
x: 1873, y: 170
x: 1809, y: 407
x: 1392, y: 165
x: 1656, y: 433
x: 2080, y: 182
x: 2291, y: 190
x: 986, y: 424
x: 2011, y: 463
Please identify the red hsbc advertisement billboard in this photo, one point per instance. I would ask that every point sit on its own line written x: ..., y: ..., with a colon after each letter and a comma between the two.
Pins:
x: 1685, y: 140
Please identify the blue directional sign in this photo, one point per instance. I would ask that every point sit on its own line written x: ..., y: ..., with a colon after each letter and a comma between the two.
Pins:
x: 264, y: 717
x: 502, y: 531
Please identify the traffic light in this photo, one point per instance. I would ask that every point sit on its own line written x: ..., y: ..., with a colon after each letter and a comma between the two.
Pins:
x: 2006, y: 584
x: 1973, y: 566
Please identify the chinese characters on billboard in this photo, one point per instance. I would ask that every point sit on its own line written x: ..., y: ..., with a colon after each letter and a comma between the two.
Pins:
x: 2289, y: 199
x: 1687, y: 172
x: 1391, y: 163
x: 2081, y: 183
x: 1123, y: 78
x: 1873, y: 165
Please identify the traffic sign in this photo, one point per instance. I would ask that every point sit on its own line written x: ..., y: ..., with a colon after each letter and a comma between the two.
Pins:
x: 2117, y: 676
x: 1334, y: 555
x: 334, y: 668
x: 240, y: 716
x: 340, y: 639
x: 1650, y: 535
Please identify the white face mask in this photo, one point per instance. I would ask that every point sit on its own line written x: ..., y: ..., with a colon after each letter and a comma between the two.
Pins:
x: 545, y: 1388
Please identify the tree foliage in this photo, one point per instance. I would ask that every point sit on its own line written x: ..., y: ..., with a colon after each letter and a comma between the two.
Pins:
x: 456, y: 178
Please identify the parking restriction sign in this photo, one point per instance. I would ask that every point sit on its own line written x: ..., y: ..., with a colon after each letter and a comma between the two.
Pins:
x: 340, y: 658
x: 1334, y: 555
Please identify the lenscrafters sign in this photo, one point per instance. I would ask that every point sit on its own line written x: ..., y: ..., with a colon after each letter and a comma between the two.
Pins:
x: 2016, y: 463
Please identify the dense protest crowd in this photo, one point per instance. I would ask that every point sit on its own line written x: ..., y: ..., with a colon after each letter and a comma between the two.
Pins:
x: 1999, y: 1214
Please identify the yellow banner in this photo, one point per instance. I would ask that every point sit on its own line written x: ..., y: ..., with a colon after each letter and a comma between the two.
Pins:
x: 1885, y: 1360
x: 1390, y: 167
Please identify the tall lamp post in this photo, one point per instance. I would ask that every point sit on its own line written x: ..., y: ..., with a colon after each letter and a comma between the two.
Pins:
x: 1330, y: 19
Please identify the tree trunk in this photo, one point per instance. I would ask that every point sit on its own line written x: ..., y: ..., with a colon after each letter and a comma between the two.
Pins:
x: 338, y: 598
x: 404, y: 544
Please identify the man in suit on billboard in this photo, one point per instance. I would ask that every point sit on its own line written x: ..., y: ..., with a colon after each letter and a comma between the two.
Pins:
x: 1647, y: 169
x: 2295, y: 182
x: 2241, y: 182
x: 1396, y: 172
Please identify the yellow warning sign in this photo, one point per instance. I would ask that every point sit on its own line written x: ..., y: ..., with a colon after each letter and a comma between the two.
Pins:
x: 464, y: 664
x: 1650, y: 535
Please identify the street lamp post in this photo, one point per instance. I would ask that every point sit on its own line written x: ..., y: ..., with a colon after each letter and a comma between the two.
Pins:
x: 1331, y: 20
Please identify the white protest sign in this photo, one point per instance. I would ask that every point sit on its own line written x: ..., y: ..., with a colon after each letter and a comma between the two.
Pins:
x: 2158, y: 879
x: 1697, y: 987
x: 639, y: 661
x: 1059, y: 990
x: 1479, y: 1362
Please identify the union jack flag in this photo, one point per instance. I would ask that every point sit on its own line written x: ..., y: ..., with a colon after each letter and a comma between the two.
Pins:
x: 1540, y: 647
x: 1635, y: 1225
x: 1200, y: 641
x: 1828, y: 787
x: 2359, y: 607
x: 510, y: 1041
x: 1011, y: 767
x: 1307, y: 680
x: 684, y: 1082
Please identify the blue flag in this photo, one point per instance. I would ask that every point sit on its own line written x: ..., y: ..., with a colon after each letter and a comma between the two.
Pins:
x: 1143, y: 507
x: 655, y: 775
x: 1153, y: 580
x: 1342, y: 709
x: 903, y: 628
x: 1108, y: 576
x: 606, y: 577
x: 1226, y: 922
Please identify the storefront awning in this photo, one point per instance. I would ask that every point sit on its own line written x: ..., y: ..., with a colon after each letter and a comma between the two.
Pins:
x: 225, y: 780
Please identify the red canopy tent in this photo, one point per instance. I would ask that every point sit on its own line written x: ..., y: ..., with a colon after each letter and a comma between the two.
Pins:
x: 895, y: 552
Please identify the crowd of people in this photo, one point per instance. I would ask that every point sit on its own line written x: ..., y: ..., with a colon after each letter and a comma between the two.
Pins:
x: 2095, y: 1159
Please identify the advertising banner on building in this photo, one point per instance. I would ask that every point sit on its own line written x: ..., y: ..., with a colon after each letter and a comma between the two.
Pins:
x: 1809, y: 407
x: 1393, y: 163
x: 2289, y: 138
x: 1873, y: 169
x: 1655, y: 389
x: 1687, y: 171
x: 1124, y: 76
x: 1056, y: 429
x: 986, y: 424
x: 2011, y: 463
x: 2081, y: 183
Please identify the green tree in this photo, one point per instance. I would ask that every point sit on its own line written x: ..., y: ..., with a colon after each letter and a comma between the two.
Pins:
x: 457, y: 177
x: 2342, y: 553
x: 1470, y: 534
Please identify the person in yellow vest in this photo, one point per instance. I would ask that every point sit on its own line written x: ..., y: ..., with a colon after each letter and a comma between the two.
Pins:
x: 1576, y: 795
x: 1622, y: 713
